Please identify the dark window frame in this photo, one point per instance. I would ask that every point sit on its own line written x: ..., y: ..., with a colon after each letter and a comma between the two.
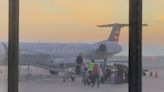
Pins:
x: 13, y: 45
x: 135, y: 46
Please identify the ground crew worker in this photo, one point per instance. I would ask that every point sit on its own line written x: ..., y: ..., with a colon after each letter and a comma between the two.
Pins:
x: 91, y: 65
x: 79, y: 61
x: 90, y: 71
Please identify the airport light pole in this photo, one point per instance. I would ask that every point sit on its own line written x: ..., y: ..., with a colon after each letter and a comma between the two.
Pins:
x: 13, y: 46
x: 135, y: 45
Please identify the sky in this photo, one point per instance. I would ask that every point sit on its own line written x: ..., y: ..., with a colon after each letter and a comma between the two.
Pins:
x: 76, y: 20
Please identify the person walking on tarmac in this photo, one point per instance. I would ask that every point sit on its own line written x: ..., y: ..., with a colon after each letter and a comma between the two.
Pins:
x: 96, y: 72
x: 91, y: 65
x: 90, y: 71
x: 103, y: 66
x: 79, y: 61
x: 85, y: 79
x: 107, y: 75
x: 92, y: 79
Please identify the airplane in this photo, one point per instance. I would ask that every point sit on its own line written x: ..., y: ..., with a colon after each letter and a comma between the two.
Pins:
x: 45, y: 55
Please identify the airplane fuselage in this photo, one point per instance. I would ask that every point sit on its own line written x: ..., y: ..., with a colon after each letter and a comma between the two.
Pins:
x: 47, y: 52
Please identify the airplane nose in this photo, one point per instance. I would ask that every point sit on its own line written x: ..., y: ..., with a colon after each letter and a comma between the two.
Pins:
x: 2, y: 55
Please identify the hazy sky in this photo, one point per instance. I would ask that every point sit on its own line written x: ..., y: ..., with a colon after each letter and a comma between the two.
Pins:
x: 76, y: 20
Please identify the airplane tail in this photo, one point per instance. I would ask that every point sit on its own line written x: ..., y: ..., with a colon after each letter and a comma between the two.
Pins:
x: 114, y: 35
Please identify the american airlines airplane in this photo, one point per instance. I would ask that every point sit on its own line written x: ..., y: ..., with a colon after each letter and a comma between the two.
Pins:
x: 44, y: 55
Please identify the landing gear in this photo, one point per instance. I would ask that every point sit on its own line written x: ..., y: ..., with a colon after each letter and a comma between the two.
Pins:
x: 28, y: 71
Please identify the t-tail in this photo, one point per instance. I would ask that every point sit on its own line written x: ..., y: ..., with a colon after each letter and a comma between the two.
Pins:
x: 114, y: 35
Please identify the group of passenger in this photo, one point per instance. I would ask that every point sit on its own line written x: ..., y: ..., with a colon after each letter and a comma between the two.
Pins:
x: 118, y: 75
x: 91, y: 74
x: 94, y: 73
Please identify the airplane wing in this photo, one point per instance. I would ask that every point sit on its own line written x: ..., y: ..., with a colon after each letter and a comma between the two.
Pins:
x: 45, y: 60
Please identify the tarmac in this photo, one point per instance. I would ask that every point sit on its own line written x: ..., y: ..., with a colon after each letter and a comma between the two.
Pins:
x: 41, y: 82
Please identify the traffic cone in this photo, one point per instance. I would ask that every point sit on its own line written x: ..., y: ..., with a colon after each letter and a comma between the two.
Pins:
x: 151, y: 73
x: 156, y: 74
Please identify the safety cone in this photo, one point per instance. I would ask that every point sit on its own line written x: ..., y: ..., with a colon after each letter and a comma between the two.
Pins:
x: 156, y: 74
x: 151, y: 73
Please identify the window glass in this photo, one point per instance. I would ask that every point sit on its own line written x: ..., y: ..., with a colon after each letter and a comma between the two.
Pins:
x: 3, y: 44
x: 153, y: 46
x: 67, y: 32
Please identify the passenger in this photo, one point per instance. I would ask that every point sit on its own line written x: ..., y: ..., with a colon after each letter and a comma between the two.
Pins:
x: 96, y: 72
x: 113, y: 78
x: 144, y: 73
x: 117, y: 78
x: 103, y: 66
x: 126, y: 76
x: 119, y: 73
x: 107, y: 75
x: 84, y: 66
x: 92, y: 79
x: 85, y: 77
x: 102, y: 79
